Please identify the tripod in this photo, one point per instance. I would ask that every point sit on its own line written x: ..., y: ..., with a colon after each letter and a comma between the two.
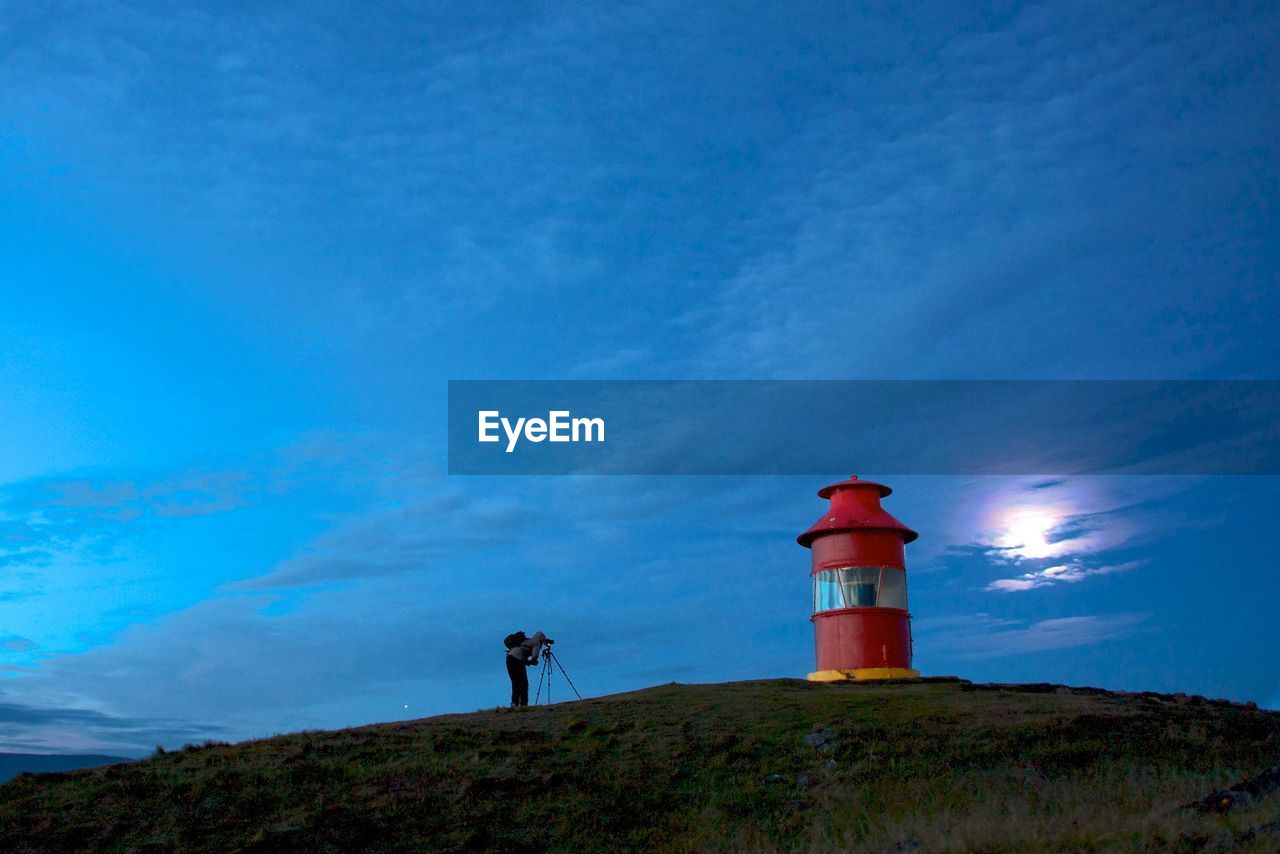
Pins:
x: 550, y: 661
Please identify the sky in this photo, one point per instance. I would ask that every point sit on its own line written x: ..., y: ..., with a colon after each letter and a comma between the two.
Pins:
x: 245, y: 248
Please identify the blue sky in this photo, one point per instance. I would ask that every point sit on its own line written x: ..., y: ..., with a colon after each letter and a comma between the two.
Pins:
x: 246, y: 247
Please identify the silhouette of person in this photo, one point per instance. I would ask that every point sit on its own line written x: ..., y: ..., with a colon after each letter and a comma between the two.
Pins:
x: 523, y: 654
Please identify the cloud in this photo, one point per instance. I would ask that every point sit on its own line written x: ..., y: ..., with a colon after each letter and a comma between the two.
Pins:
x: 413, y: 538
x: 251, y: 668
x: 456, y: 139
x: 982, y: 636
x: 14, y: 643
x: 612, y: 362
x: 418, y: 617
x: 191, y: 493
x: 1067, y: 573
x: 967, y: 215
x: 27, y: 557
x: 88, y: 515
x: 1001, y: 522
x: 477, y: 157
x: 1040, y: 533
x: 48, y: 728
x: 42, y: 516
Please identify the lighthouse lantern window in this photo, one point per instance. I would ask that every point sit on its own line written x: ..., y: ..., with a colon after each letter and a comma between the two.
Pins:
x: 859, y: 587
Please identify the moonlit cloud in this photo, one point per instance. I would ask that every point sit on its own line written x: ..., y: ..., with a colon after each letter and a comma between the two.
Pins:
x: 1059, y: 523
x: 1058, y: 532
x: 1026, y: 533
x: 1060, y: 574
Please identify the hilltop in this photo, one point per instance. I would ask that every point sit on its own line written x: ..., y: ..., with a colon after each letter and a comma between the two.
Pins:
x: 773, y: 764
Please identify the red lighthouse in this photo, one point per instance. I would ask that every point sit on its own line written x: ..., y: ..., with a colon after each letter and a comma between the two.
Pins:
x: 860, y: 619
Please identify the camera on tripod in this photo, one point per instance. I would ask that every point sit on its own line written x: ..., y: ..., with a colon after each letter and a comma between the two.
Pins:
x: 545, y: 652
x: 550, y: 664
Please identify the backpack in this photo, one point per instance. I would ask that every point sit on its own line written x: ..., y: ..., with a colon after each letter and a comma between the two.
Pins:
x: 513, y: 640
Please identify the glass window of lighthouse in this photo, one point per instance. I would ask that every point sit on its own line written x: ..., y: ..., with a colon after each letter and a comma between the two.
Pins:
x: 859, y: 587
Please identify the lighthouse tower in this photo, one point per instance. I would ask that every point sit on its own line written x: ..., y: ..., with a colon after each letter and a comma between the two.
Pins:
x: 860, y: 620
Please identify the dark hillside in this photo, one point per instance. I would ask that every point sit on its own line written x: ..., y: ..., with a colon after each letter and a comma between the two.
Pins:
x: 782, y: 763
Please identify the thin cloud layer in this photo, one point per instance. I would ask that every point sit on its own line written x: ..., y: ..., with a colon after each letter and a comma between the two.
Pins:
x: 44, y: 515
x: 14, y: 643
x: 983, y: 636
x: 399, y: 540
x: 46, y: 728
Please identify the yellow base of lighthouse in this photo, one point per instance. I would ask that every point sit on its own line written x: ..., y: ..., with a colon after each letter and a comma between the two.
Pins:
x: 864, y: 673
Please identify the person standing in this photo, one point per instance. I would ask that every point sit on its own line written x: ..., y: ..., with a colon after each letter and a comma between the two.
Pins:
x: 522, y: 652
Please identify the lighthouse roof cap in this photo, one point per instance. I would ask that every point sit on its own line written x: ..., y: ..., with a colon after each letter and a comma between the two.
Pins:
x: 845, y: 516
x: 851, y: 483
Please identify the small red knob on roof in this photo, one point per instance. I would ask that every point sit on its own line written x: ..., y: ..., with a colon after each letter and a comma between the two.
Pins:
x: 853, y: 481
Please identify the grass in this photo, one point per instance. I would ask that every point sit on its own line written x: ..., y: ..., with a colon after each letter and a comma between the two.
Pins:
x: 774, y: 765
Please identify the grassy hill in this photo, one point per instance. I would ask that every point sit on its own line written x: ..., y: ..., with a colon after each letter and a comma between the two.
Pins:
x: 776, y: 764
